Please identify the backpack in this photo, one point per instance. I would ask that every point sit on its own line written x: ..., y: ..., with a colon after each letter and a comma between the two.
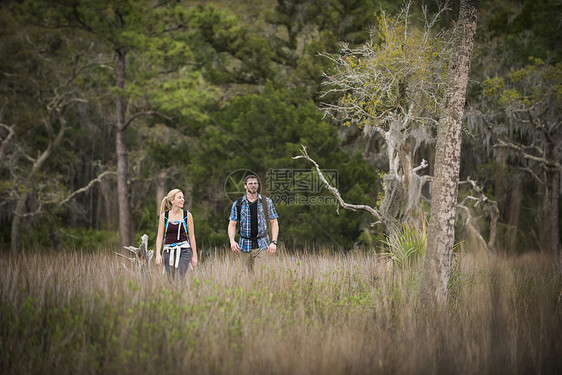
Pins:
x: 166, y: 214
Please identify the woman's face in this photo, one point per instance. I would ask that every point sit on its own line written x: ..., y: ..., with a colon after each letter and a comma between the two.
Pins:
x: 178, y: 200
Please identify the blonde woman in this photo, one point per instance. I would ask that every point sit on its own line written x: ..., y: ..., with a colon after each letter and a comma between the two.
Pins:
x: 176, y: 229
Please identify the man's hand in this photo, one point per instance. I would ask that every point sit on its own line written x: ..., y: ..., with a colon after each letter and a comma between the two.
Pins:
x: 272, y: 248
x: 234, y: 246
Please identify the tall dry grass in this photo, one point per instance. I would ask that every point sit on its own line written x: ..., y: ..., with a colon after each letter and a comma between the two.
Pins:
x: 86, y: 313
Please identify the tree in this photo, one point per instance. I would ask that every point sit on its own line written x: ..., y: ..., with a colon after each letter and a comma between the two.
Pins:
x: 139, y: 36
x: 441, y: 230
x: 42, y: 70
x: 260, y: 133
x: 153, y: 65
x: 509, y: 33
x: 392, y: 87
x: 302, y: 29
x: 519, y: 116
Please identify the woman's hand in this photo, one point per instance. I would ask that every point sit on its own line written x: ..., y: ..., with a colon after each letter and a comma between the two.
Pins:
x: 159, y: 259
x: 194, y: 261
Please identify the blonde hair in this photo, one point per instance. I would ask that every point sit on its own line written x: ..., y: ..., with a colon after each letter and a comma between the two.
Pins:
x: 167, y: 201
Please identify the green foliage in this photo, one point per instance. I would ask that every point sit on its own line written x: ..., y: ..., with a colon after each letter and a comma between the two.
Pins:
x: 400, y: 71
x: 304, y: 29
x: 89, y: 240
x: 521, y: 29
x: 407, y: 244
x: 235, y: 85
x: 263, y: 133
x: 528, y: 86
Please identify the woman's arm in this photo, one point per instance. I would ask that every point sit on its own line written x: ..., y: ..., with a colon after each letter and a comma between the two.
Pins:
x: 191, y: 229
x: 159, y: 238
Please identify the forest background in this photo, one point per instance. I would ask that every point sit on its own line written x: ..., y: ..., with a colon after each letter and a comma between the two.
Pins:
x: 192, y: 94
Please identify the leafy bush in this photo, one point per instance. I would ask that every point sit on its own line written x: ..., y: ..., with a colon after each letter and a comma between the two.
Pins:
x: 407, y: 243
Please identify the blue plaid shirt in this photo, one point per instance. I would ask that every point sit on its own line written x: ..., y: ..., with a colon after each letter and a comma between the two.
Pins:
x: 245, y: 244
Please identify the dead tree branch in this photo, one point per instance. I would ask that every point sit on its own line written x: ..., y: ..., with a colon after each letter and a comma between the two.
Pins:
x: 7, y: 140
x: 87, y: 187
x: 142, y: 256
x: 471, y: 227
x: 521, y: 150
x: 489, y: 206
x: 336, y: 193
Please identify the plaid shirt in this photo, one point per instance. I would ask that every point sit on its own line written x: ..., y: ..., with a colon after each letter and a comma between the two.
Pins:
x: 245, y: 244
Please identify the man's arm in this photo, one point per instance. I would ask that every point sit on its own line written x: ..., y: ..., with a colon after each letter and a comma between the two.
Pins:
x: 272, y: 248
x: 231, y: 233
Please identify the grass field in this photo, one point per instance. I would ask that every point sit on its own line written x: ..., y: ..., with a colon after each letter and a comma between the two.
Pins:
x: 82, y: 313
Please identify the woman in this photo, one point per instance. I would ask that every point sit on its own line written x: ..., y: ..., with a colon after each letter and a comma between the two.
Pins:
x: 176, y: 228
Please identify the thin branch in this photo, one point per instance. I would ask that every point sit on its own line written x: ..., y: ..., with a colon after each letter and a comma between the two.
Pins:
x: 491, y: 208
x: 38, y: 211
x: 87, y: 187
x: 426, y: 178
x: 336, y: 193
x: 470, y: 226
x: 421, y: 166
x: 146, y: 113
x: 521, y: 150
x: 126, y: 257
x: 533, y: 174
x: 6, y: 141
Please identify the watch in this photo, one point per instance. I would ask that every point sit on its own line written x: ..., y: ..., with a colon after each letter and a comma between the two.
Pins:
x: 274, y: 242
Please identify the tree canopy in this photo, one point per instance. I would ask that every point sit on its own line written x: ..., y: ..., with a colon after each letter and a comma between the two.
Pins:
x: 204, y: 89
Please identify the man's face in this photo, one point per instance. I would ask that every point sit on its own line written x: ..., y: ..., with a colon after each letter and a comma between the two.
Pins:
x: 252, y: 185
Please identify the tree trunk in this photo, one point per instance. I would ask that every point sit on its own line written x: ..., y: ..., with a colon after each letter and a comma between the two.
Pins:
x: 441, y: 230
x: 125, y: 219
x: 501, y: 183
x: 160, y: 190
x: 54, y: 142
x: 513, y: 212
x: 16, y: 223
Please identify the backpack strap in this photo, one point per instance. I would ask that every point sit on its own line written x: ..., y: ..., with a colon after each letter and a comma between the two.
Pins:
x: 265, y: 208
x: 263, y: 204
x: 185, y: 212
x: 238, y: 212
x: 238, y: 208
x: 167, y: 220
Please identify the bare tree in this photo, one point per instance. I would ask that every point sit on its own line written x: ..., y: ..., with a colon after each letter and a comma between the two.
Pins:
x: 392, y: 87
x: 441, y: 230
x: 400, y: 86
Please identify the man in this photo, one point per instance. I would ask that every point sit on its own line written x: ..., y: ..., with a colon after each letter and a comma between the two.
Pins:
x: 251, y: 212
